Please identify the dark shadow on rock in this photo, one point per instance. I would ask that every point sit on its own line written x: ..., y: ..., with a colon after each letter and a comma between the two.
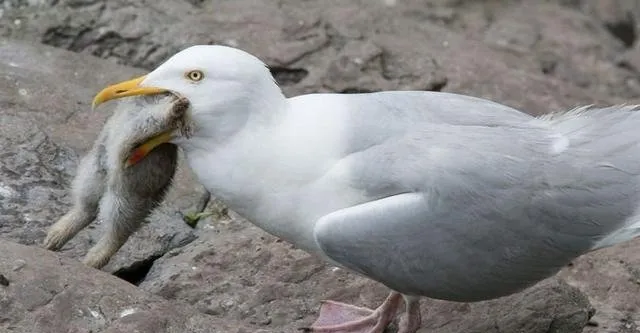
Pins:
x: 136, y: 272
x: 288, y: 76
x: 624, y: 30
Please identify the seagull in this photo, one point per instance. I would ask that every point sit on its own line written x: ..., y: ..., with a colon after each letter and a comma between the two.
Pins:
x: 432, y: 194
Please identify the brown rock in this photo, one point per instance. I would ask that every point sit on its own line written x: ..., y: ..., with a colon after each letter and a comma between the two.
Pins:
x: 611, y: 279
x: 50, y: 293
x: 620, y: 17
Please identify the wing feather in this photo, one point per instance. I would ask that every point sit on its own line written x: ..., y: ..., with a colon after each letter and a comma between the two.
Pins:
x: 478, y: 212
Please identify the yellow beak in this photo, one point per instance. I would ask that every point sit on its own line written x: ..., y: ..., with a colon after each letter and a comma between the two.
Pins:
x: 132, y: 88
x: 124, y: 89
x: 144, y: 149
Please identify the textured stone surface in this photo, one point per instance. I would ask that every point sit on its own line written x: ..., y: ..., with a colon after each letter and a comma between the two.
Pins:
x: 611, y: 279
x: 44, y: 292
x: 488, y: 49
x: 536, y: 56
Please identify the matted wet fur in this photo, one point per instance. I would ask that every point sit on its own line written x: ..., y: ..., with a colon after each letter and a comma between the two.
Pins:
x: 122, y: 197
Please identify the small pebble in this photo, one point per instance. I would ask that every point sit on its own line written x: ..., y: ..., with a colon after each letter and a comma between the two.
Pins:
x: 173, y: 252
x: 227, y: 304
x: 127, y: 312
x: 18, y: 265
x: 95, y: 314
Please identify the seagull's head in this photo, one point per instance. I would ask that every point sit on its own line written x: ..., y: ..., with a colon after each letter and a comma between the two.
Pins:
x: 223, y: 86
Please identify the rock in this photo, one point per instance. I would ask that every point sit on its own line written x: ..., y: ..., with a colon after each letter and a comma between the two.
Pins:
x: 239, y: 273
x: 536, y: 56
x: 619, y: 17
x: 52, y: 293
x: 611, y: 279
x: 45, y: 127
x: 359, y: 45
x: 631, y: 58
x: 583, y: 55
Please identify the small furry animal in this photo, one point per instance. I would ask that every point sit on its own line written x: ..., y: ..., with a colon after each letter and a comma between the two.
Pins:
x: 106, y: 187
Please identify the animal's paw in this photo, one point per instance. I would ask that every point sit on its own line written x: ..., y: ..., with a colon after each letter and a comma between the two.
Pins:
x: 96, y: 258
x: 57, y: 236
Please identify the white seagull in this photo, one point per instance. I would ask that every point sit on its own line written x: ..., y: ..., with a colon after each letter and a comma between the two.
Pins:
x: 431, y: 194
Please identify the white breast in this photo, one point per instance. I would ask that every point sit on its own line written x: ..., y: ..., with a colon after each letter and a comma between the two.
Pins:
x: 283, y: 176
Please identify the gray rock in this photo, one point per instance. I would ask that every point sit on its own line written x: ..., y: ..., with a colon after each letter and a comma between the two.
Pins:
x: 536, y: 56
x: 50, y: 293
x: 46, y: 124
x: 631, y: 58
x: 619, y: 17
x: 611, y: 279
x: 360, y: 45
x: 566, y: 44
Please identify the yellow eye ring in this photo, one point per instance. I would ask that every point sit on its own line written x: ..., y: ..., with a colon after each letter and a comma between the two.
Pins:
x: 194, y: 75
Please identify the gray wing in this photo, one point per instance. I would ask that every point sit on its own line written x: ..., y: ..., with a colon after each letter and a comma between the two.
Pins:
x: 383, y: 115
x: 468, y: 213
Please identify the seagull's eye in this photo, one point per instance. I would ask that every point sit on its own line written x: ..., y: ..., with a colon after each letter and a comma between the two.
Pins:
x: 194, y: 75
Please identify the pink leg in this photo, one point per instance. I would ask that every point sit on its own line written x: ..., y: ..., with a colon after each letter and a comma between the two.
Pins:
x: 338, y: 317
x: 410, y: 321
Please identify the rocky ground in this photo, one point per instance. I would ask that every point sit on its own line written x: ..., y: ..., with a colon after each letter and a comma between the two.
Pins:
x: 226, y: 275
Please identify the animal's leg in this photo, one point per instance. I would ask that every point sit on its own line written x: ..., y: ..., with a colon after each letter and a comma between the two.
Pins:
x: 122, y: 216
x: 130, y: 198
x: 87, y: 188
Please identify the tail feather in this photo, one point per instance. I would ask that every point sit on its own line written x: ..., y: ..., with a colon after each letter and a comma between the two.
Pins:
x: 587, y: 120
x: 608, y: 137
x: 625, y: 234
